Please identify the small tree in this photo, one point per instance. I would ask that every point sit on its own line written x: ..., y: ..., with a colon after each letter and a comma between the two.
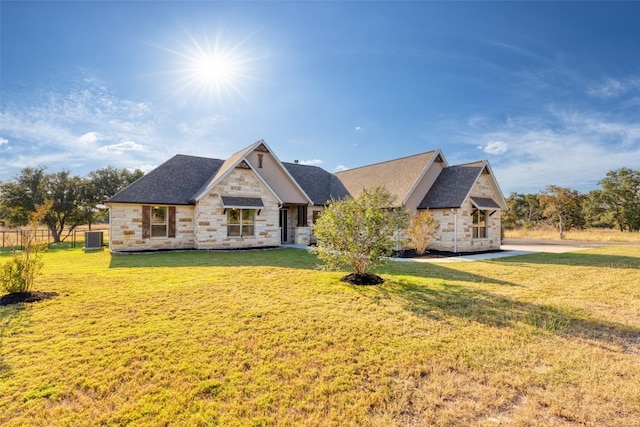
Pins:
x: 422, y: 228
x: 358, y: 233
x: 18, y: 274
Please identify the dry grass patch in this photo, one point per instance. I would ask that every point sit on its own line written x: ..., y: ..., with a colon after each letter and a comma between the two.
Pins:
x: 263, y: 338
x: 589, y: 235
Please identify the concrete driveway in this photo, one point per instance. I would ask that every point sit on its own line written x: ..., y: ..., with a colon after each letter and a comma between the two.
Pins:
x: 514, y: 247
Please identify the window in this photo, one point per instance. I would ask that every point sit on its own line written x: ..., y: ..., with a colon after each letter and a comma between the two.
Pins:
x: 241, y: 222
x: 316, y: 215
x: 158, y: 221
x: 260, y: 160
x: 479, y: 224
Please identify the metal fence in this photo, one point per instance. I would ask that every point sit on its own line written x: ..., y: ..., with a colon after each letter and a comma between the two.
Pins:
x: 15, y: 238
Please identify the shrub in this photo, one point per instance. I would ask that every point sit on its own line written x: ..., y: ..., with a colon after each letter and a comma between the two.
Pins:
x: 421, y: 230
x: 18, y: 274
x: 358, y: 233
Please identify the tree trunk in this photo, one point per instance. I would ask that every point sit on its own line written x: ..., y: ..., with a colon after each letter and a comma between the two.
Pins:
x: 560, y: 227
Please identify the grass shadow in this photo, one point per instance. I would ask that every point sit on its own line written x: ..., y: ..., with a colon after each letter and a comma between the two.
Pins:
x: 447, y: 300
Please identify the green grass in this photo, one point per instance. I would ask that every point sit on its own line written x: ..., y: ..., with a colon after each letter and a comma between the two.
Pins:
x: 265, y: 338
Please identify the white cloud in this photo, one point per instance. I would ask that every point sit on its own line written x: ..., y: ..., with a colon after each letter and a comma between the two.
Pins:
x: 357, y: 128
x: 3, y: 141
x: 340, y: 168
x: 495, y: 147
x: 88, y: 138
x: 121, y: 147
x: 311, y: 162
x: 571, y: 149
x: 612, y: 88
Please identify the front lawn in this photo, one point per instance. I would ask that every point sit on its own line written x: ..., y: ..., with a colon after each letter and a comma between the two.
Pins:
x: 265, y: 338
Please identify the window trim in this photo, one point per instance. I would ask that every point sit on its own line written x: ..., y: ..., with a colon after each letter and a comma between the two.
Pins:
x: 479, y: 231
x: 169, y: 223
x: 241, y: 225
x: 153, y: 223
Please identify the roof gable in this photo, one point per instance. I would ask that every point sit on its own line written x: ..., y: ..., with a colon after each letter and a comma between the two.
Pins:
x: 175, y: 182
x: 451, y: 187
x: 241, y: 160
x: 320, y: 185
x: 399, y: 176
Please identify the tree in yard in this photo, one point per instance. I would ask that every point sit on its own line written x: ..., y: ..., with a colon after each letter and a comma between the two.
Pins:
x: 20, y: 198
x: 562, y: 206
x: 18, y: 274
x: 99, y: 186
x: 422, y: 228
x: 620, y: 196
x: 358, y: 233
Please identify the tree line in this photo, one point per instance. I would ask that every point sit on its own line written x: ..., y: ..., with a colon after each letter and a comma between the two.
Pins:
x: 71, y: 200
x: 615, y: 205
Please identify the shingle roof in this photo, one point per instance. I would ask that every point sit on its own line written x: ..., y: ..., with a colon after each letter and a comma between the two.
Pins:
x: 451, y: 187
x: 175, y: 182
x: 398, y: 176
x: 319, y: 184
x: 484, y: 203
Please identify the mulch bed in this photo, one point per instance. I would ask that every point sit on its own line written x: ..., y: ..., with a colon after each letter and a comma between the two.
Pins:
x: 33, y: 296
x: 410, y: 253
x: 366, y: 279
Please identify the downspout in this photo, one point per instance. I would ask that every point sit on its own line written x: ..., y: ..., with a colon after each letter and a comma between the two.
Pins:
x: 455, y: 231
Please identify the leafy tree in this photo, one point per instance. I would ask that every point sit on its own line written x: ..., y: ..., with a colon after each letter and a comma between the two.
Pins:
x: 20, y: 197
x: 422, y: 228
x: 562, y: 206
x: 18, y: 274
x: 620, y: 196
x: 524, y: 211
x: 99, y: 186
x: 358, y: 233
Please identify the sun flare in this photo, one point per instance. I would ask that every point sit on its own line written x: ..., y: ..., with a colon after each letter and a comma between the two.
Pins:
x: 213, y: 69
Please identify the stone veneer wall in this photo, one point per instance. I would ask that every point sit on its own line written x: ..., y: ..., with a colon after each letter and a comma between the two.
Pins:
x: 125, y: 229
x: 444, y: 239
x: 210, y: 221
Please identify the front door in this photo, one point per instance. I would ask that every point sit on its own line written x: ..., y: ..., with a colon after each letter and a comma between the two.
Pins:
x: 283, y: 225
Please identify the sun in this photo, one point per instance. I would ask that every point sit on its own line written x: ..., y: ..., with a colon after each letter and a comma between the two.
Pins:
x: 212, y: 69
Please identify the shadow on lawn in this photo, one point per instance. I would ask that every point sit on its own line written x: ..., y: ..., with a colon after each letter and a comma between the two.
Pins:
x: 445, y: 300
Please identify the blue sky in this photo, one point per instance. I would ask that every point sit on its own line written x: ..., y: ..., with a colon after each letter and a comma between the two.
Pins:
x: 548, y: 92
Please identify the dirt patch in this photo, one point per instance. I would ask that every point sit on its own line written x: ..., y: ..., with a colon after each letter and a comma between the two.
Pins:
x: 33, y: 296
x: 366, y: 279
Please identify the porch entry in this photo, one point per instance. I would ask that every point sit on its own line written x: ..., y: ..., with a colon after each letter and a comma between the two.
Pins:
x: 283, y: 226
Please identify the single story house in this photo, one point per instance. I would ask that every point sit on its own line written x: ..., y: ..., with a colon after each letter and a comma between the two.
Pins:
x: 253, y: 200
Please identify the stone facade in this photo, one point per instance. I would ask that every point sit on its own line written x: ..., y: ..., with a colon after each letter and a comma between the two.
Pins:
x: 211, y: 221
x: 125, y: 232
x: 455, y: 231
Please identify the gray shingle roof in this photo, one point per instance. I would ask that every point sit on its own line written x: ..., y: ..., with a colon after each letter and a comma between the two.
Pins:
x: 175, y: 182
x: 398, y: 176
x: 451, y: 187
x: 484, y: 203
x: 242, y: 202
x: 319, y: 184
